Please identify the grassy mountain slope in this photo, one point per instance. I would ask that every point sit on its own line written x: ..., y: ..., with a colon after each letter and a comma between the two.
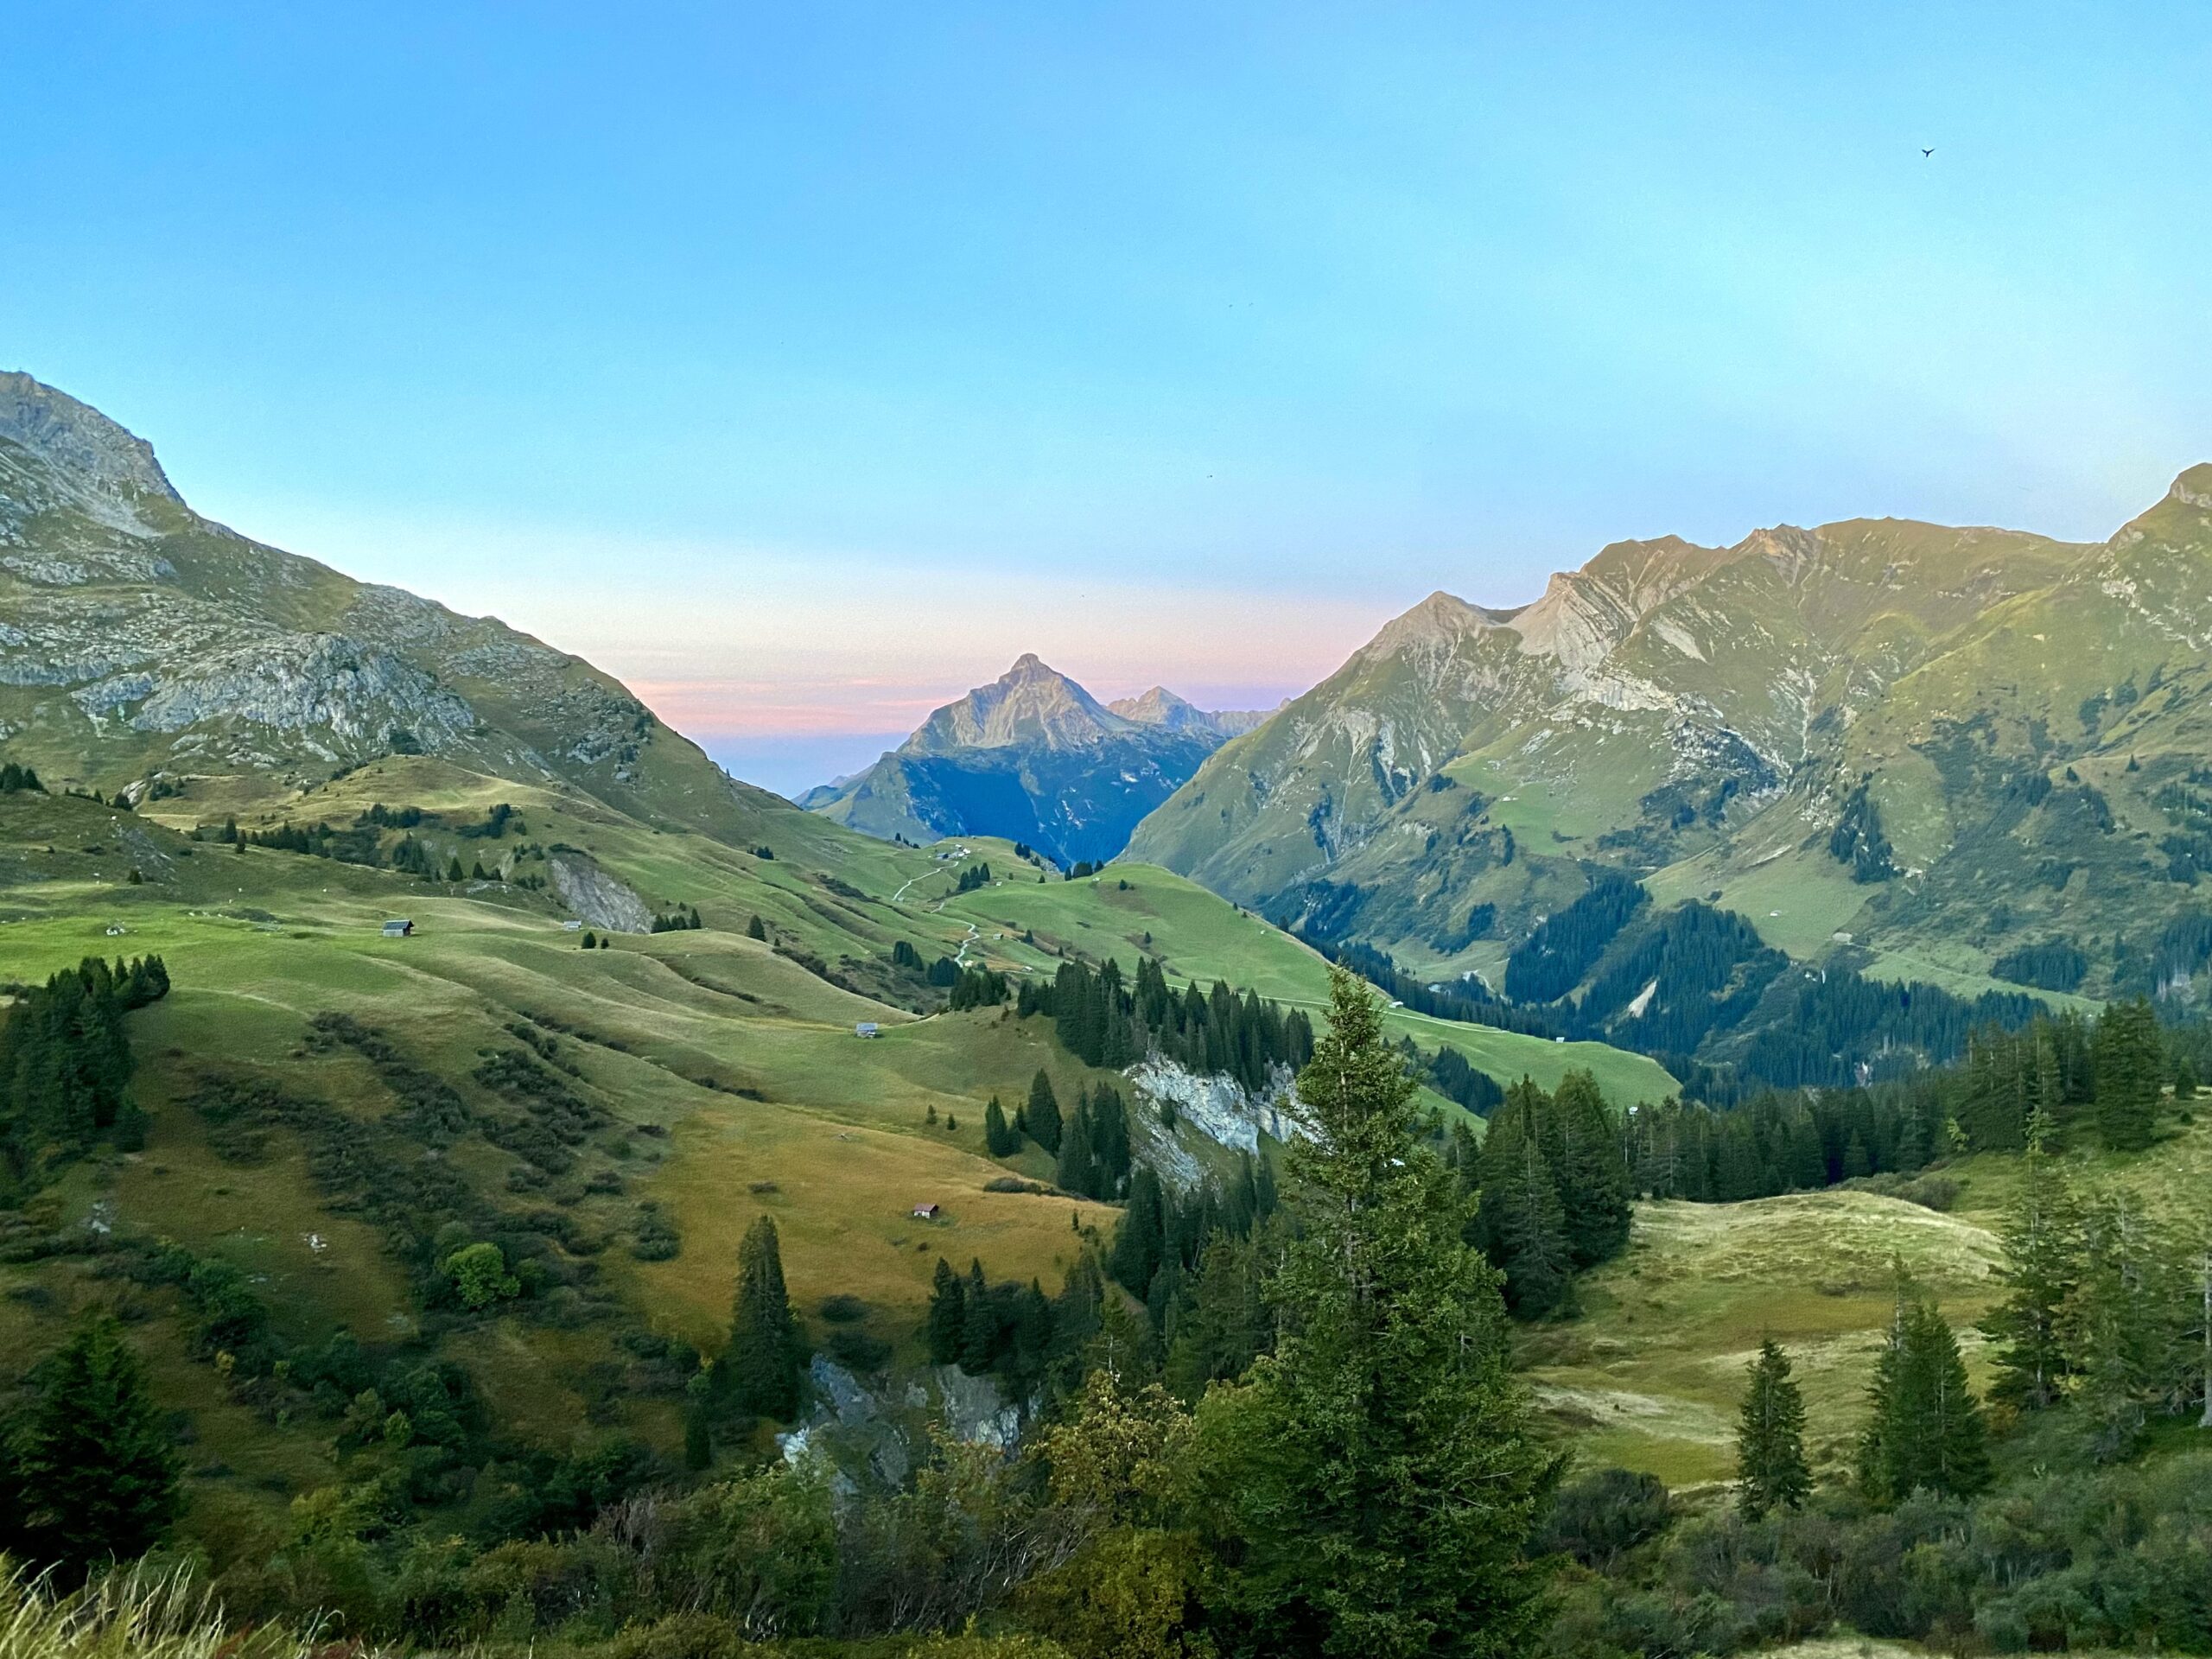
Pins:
x: 1935, y: 754
x: 1651, y: 1377
x: 1137, y: 910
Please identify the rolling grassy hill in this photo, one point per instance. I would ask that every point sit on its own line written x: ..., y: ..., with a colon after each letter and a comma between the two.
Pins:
x: 1651, y: 1377
x: 717, y: 1078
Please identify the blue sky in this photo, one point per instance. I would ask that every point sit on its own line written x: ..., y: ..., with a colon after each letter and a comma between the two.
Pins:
x: 805, y: 363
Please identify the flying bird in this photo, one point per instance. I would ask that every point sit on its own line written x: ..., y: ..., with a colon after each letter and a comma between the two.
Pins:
x: 1927, y: 152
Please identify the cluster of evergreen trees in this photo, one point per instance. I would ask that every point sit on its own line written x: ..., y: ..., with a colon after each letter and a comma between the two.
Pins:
x: 1467, y: 1000
x: 1924, y: 1431
x: 1014, y: 1331
x: 2108, y: 1306
x: 1105, y: 1022
x: 1565, y: 945
x: 1196, y: 1260
x: 1089, y: 1146
x: 66, y: 1064
x: 1858, y: 842
x: 1094, y: 1149
x: 678, y: 920
x: 19, y: 779
x: 966, y: 987
x: 1555, y: 1190
x: 2105, y: 1076
x: 975, y: 876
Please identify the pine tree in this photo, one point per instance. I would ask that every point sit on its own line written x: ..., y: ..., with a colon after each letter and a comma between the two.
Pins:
x: 979, y: 1331
x: 1380, y: 1473
x: 763, y: 1364
x: 948, y: 1317
x: 999, y: 1141
x: 1520, y: 1214
x: 1136, y: 1254
x: 1592, y: 1175
x: 1924, y: 1427
x: 1044, y: 1114
x: 2041, y: 1233
x: 94, y: 1477
x: 2130, y: 1070
x: 1770, y: 1468
x: 756, y: 929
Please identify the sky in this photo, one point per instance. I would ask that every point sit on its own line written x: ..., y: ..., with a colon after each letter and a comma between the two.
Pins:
x: 802, y: 365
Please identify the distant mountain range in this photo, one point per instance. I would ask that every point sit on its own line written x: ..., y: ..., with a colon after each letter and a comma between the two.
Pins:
x: 143, y: 647
x: 1977, y: 758
x: 1035, y: 758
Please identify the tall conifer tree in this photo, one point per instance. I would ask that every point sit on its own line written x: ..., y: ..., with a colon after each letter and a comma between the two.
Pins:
x: 94, y: 1475
x: 2041, y: 1233
x: 2131, y: 1073
x: 762, y: 1370
x: 1770, y: 1468
x: 1380, y: 1472
x: 1044, y: 1114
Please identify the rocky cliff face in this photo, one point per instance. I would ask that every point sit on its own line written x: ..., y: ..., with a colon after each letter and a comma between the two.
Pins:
x: 142, y: 644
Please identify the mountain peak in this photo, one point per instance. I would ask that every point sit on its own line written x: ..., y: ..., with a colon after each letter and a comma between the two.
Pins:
x: 1440, y: 619
x: 89, y: 455
x: 1031, y: 703
x: 1157, y: 706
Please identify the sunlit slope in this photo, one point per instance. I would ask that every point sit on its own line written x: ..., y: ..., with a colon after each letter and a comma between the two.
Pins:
x: 1651, y: 1376
x: 1137, y: 910
x: 731, y: 1079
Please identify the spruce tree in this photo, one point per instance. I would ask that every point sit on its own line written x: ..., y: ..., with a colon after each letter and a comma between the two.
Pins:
x: 764, y: 1349
x: 95, y: 1478
x: 1380, y: 1472
x: 979, y: 1331
x: 1520, y: 1215
x: 1077, y: 1171
x: 1592, y: 1173
x: 2121, y: 1320
x: 2041, y: 1233
x: 2130, y: 1071
x: 756, y: 929
x: 999, y: 1140
x: 948, y: 1317
x: 1924, y: 1427
x: 1770, y: 1468
x: 1044, y: 1114
x: 1136, y: 1253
